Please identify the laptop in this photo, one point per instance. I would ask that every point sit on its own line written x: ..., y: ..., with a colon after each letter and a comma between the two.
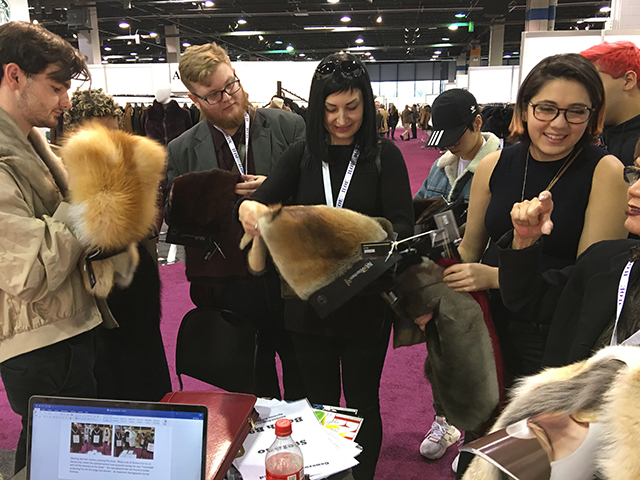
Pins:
x: 91, y: 439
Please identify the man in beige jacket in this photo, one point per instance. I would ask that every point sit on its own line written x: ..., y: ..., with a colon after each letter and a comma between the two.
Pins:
x: 47, y: 317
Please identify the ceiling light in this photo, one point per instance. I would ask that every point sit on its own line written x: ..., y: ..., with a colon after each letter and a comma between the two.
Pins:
x: 605, y: 9
x: 153, y: 34
x: 460, y: 15
x: 345, y: 19
x: 379, y: 19
x: 161, y: 59
x: 129, y: 42
x: 35, y: 22
x: 445, y: 39
x: 186, y: 44
x: 241, y: 21
x: 289, y: 48
x: 359, y: 40
x: 278, y: 42
x: 107, y: 48
x: 260, y: 37
x: 437, y: 52
x: 367, y: 54
x: 123, y: 24
x: 453, y: 26
x: 75, y: 35
x: 209, y: 3
x: 302, y: 55
x: 133, y: 53
x: 516, y: 53
x: 333, y: 1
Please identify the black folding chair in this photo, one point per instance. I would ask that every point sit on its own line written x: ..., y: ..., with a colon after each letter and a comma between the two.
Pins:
x: 218, y: 347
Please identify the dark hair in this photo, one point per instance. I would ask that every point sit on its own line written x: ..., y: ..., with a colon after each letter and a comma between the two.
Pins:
x: 636, y: 152
x: 568, y: 66
x: 324, y: 85
x: 33, y: 48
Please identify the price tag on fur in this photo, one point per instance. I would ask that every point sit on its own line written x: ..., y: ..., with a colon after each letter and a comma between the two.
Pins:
x: 375, y: 249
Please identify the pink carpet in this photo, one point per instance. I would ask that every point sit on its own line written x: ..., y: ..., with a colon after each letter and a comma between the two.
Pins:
x: 404, y: 395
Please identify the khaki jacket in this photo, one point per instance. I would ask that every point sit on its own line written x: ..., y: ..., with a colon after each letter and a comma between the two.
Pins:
x: 42, y: 298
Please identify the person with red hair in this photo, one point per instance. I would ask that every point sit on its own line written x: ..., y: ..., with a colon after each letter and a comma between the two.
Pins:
x: 619, y: 66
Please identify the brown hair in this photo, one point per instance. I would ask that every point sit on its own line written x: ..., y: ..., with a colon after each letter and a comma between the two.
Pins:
x: 568, y: 66
x: 33, y: 48
x: 199, y: 62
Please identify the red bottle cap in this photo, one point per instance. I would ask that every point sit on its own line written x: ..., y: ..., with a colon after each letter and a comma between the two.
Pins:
x: 283, y: 427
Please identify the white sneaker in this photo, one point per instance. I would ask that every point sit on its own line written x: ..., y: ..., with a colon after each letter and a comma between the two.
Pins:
x: 454, y: 464
x: 440, y: 437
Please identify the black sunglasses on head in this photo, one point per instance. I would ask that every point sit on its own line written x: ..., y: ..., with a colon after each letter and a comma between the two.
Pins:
x: 349, y: 68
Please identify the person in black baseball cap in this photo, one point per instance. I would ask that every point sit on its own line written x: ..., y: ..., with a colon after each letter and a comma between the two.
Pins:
x: 456, y: 127
x: 452, y: 113
x: 456, y: 123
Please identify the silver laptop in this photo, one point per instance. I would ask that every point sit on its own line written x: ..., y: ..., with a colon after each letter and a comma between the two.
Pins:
x: 89, y: 439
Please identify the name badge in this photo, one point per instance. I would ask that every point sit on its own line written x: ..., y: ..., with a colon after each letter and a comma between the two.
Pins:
x: 375, y: 249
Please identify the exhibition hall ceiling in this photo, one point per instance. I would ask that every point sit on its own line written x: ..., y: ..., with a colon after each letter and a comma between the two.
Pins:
x: 384, y: 30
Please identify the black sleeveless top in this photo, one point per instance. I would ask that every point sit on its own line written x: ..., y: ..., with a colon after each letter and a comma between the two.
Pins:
x: 570, y: 198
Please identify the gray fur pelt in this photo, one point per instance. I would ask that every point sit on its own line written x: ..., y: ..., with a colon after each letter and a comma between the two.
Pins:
x: 604, y: 388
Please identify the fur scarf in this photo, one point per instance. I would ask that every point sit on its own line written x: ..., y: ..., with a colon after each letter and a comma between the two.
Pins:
x: 113, y: 191
x: 604, y: 388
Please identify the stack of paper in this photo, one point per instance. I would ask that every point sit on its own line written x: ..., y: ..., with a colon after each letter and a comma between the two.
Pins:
x: 325, y: 452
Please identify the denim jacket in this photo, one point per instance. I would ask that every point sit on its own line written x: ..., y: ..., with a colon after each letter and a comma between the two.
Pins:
x: 443, y: 176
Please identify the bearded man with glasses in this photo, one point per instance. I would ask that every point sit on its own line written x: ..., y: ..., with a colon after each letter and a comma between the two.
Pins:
x: 233, y: 139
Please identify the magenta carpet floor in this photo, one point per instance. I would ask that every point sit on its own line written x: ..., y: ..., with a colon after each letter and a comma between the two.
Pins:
x: 405, y: 396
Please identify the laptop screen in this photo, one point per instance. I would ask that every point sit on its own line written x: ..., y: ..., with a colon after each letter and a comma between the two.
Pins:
x: 115, y: 440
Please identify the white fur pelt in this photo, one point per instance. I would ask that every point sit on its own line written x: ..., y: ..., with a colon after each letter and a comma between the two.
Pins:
x: 113, y: 191
x: 604, y: 388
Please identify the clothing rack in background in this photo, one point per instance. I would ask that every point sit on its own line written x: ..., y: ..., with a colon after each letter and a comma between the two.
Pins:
x: 280, y: 90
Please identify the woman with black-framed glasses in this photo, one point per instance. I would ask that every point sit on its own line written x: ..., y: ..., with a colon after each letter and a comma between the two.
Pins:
x: 341, y: 163
x: 558, y: 113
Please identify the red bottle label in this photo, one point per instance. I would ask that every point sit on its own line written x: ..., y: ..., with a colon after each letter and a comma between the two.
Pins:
x: 291, y: 476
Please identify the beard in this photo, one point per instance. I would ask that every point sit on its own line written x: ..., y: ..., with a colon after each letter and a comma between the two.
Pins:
x: 33, y: 111
x: 232, y: 119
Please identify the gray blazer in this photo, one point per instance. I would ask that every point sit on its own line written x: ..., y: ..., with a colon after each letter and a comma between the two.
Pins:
x: 272, y: 132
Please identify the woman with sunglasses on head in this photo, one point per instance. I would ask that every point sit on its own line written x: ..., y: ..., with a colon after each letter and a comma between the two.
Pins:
x: 558, y: 113
x: 350, y: 344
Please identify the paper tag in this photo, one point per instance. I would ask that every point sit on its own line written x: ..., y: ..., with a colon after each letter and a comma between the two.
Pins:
x: 96, y: 439
x: 375, y: 249
x: 118, y: 443
x: 76, y: 439
x: 150, y: 447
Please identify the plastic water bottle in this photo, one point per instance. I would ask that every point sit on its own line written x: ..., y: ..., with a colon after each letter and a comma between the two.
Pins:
x: 284, y: 457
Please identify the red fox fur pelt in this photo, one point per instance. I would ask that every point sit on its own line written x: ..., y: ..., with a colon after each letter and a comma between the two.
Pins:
x: 313, y: 245
x: 113, y: 184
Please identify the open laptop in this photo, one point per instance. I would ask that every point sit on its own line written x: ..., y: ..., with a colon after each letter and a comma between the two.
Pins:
x: 90, y: 439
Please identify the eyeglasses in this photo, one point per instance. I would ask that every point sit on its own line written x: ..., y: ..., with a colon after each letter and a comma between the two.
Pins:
x: 349, y: 68
x: 216, y: 97
x: 548, y: 113
x: 631, y: 174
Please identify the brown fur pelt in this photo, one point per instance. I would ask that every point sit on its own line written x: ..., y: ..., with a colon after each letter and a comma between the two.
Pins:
x: 313, y: 245
x: 202, y: 202
x: 113, y: 191
x: 605, y: 388
x: 461, y: 363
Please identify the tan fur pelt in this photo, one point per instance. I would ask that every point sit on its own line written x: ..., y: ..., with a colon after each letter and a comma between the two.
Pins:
x: 605, y: 388
x: 313, y: 245
x: 113, y: 184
